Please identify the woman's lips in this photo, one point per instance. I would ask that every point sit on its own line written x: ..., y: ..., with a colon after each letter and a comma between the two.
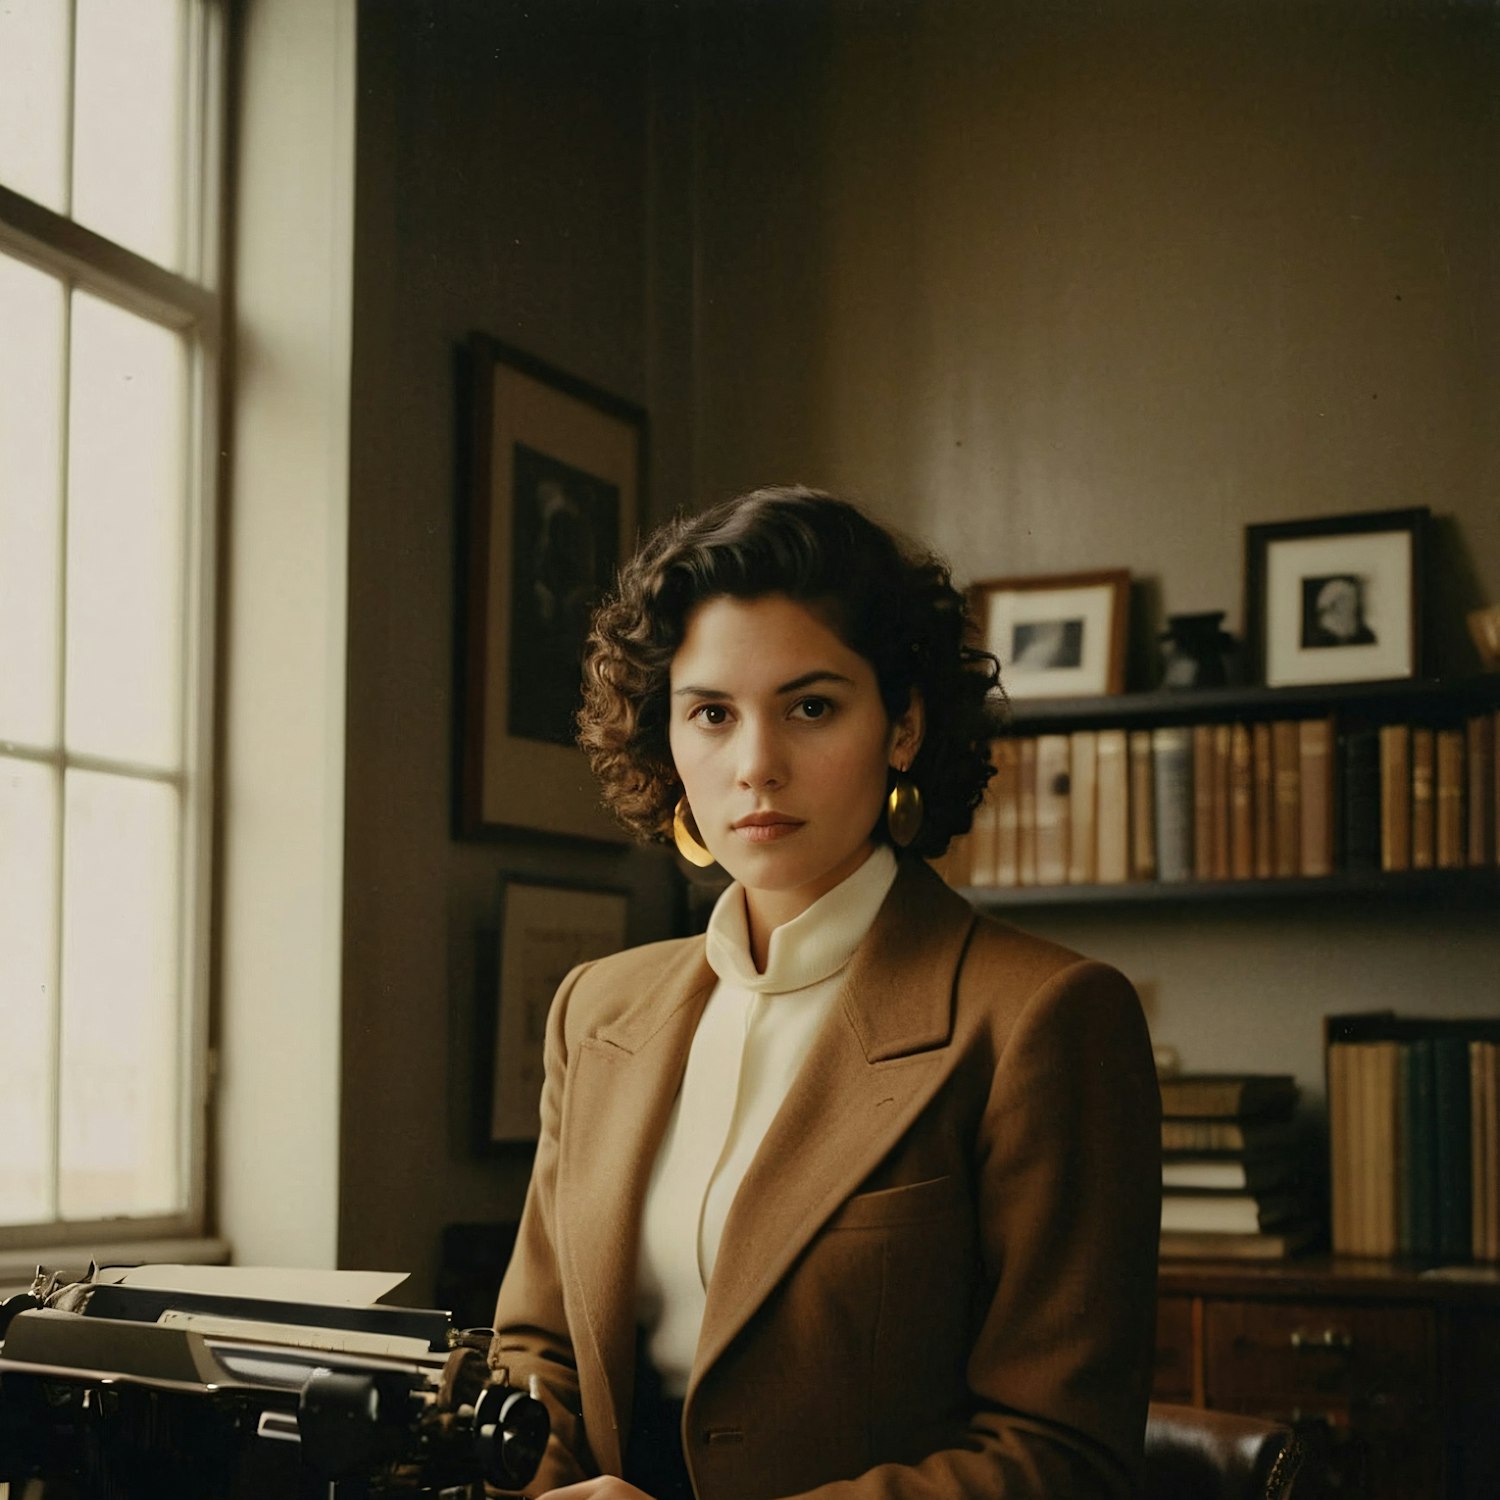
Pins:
x: 766, y: 828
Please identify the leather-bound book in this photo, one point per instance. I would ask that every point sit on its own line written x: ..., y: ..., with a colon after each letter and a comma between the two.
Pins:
x: 1111, y: 808
x: 1241, y: 804
x: 1172, y: 796
x: 1263, y: 793
x: 1083, y: 807
x: 1142, y: 807
x: 1395, y: 797
x: 1286, y: 767
x: 1423, y: 798
x: 1315, y: 745
x: 1449, y: 812
x: 1052, y: 807
x: 1480, y: 736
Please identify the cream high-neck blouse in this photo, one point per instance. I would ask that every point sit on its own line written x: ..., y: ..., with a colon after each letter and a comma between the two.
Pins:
x: 753, y: 1036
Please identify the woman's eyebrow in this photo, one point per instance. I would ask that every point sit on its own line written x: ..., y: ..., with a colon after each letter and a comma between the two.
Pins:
x: 796, y: 685
x: 809, y: 678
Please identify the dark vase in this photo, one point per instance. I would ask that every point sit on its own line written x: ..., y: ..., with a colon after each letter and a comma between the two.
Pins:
x: 1195, y: 651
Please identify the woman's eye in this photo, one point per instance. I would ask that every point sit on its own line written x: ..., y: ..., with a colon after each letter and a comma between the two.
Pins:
x: 712, y: 714
x: 812, y: 708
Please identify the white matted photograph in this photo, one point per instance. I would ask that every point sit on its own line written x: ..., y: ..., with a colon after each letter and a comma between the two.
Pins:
x: 1336, y: 598
x: 1057, y: 636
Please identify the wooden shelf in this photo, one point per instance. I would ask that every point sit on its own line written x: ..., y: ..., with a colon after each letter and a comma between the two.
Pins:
x: 1416, y: 698
x: 1477, y: 886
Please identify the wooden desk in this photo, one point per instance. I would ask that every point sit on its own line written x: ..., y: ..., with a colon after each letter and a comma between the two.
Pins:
x: 1402, y: 1369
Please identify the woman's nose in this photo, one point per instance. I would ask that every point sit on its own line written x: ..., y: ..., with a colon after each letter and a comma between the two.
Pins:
x: 761, y: 761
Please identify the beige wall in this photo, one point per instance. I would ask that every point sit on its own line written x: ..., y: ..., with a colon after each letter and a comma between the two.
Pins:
x: 502, y: 187
x: 1069, y: 286
x: 1060, y: 285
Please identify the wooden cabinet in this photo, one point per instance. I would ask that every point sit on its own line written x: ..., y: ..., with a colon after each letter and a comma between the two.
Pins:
x: 1397, y: 1373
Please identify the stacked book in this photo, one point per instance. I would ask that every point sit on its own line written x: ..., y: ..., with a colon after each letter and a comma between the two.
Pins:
x: 1234, y: 1180
x: 1414, y: 1136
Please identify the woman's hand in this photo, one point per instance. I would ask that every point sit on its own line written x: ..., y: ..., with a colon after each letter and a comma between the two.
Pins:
x: 606, y: 1487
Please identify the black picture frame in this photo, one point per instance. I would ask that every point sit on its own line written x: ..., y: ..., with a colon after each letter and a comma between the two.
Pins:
x: 554, y: 485
x: 1337, y: 598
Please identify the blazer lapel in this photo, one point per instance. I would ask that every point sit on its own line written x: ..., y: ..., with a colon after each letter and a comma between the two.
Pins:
x: 873, y: 1067
x: 621, y: 1087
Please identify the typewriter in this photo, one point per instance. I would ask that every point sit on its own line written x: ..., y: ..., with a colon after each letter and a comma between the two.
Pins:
x: 114, y: 1391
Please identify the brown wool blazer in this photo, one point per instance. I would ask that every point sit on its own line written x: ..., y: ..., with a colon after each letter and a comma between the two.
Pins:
x: 938, y: 1277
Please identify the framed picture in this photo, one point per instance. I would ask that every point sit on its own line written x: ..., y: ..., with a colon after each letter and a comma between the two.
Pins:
x: 1335, y: 598
x: 555, y: 478
x: 1061, y: 636
x: 545, y: 930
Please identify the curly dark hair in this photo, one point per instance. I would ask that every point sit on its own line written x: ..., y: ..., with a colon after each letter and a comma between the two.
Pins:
x: 891, y: 602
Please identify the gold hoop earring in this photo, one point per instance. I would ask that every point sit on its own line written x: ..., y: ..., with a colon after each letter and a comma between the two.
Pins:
x: 903, y: 810
x: 687, y: 838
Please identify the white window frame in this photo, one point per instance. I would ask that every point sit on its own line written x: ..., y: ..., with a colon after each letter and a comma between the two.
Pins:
x: 190, y: 303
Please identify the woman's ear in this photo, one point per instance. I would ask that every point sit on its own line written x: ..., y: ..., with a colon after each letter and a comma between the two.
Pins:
x: 907, y: 731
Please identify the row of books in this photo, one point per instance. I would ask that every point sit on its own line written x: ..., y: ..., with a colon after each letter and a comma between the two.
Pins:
x: 1438, y: 794
x: 1233, y: 801
x: 1235, y: 1179
x: 1414, y: 1136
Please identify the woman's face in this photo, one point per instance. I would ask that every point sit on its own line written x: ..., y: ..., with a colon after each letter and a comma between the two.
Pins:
x: 782, y: 743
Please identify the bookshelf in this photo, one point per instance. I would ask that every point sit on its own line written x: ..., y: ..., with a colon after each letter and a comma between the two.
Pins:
x: 1352, y: 711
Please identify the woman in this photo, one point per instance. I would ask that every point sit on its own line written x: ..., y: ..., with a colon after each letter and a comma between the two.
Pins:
x: 858, y: 1194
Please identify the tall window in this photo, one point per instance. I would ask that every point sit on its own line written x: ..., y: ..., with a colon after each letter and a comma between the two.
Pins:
x: 110, y: 114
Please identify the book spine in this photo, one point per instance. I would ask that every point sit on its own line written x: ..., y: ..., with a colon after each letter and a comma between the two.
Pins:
x: 1424, y: 1149
x: 1112, y: 808
x: 1241, y: 804
x: 1172, y: 793
x: 1222, y: 737
x: 1027, y: 830
x: 1340, y: 1185
x: 1053, y: 796
x: 1480, y: 735
x: 1451, y: 851
x: 1142, y: 807
x: 1451, y: 1076
x: 1480, y: 1166
x: 1361, y: 799
x: 1203, y: 801
x: 1405, y: 1162
x: 982, y: 833
x: 1423, y: 824
x: 1083, y: 807
x: 1395, y: 797
x: 1005, y: 788
x: 1263, y: 781
x: 1286, y: 763
x: 1315, y: 757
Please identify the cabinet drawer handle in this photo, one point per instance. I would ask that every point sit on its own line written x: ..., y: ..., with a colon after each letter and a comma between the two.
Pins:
x: 1329, y: 1338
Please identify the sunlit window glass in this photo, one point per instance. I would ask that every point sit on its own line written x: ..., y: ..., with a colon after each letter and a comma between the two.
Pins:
x: 28, y: 986
x: 31, y: 398
x: 127, y: 104
x: 120, y: 1032
x: 125, y: 547
x: 34, y: 99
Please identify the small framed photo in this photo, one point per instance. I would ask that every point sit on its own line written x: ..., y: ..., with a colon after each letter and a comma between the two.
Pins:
x: 1336, y: 598
x: 545, y: 930
x: 555, y: 473
x: 1061, y: 636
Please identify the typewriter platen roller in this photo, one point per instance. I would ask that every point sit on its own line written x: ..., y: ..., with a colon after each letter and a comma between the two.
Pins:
x: 116, y: 1393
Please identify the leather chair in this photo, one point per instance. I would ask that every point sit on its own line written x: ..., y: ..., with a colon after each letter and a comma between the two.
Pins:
x: 1193, y: 1454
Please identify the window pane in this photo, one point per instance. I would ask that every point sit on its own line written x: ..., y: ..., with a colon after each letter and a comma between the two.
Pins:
x: 125, y: 548
x: 34, y: 99
x: 127, y: 91
x: 31, y: 344
x: 120, y: 1033
x: 28, y: 986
